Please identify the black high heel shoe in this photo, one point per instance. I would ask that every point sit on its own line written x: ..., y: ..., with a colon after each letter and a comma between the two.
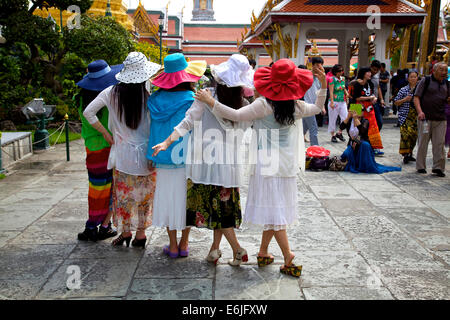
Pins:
x: 120, y: 239
x: 139, y: 242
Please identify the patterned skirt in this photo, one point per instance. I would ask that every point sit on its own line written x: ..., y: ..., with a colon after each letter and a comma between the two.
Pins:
x: 408, y: 133
x: 374, y: 133
x: 133, y: 200
x: 212, y: 207
x: 100, y: 180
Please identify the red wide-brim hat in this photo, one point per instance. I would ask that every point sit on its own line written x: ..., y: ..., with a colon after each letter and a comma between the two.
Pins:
x: 283, y: 81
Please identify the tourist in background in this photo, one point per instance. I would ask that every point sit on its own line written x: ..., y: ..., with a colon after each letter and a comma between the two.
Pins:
x: 375, y: 67
x: 430, y: 98
x: 359, y: 153
x: 213, y: 199
x: 134, y: 177
x: 98, y: 226
x: 337, y: 105
x: 272, y: 192
x: 362, y: 93
x: 407, y: 117
x: 310, y: 123
x: 384, y: 82
x: 168, y: 107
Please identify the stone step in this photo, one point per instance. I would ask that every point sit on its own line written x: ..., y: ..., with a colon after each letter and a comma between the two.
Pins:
x: 15, y: 146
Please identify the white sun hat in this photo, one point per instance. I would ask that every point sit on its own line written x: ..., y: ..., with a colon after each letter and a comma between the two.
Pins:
x: 234, y: 72
x: 137, y: 68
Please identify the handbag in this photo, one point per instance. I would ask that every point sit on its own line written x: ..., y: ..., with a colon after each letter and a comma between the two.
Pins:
x: 337, y: 164
x: 322, y: 163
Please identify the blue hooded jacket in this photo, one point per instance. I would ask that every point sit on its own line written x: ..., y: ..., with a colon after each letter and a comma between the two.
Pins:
x: 167, y: 110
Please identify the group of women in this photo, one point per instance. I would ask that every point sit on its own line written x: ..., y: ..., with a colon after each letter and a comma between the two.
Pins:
x: 156, y: 179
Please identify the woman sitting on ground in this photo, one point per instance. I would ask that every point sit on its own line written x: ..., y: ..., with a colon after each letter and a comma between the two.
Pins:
x: 359, y: 152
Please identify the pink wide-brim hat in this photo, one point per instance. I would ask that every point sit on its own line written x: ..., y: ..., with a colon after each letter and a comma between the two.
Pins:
x: 177, y: 70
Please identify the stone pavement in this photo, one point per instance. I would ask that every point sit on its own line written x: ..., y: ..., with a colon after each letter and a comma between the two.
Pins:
x: 359, y: 236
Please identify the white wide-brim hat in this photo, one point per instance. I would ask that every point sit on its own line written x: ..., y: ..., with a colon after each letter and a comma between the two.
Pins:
x: 137, y: 68
x: 235, y: 72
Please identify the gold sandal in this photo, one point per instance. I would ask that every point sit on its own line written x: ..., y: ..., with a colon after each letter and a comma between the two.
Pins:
x: 292, y: 270
x: 264, y: 261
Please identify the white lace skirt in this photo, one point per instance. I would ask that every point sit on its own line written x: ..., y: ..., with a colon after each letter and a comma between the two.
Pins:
x: 169, y: 204
x: 271, y: 201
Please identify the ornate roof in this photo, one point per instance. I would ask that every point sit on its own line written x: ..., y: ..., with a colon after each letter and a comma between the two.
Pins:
x: 143, y: 24
x: 347, y: 6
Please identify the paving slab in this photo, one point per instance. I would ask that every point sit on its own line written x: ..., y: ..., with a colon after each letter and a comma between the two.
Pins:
x: 99, y: 277
x: 69, y: 210
x: 16, y: 217
x: 50, y: 232
x: 391, y: 199
x: 250, y: 283
x: 377, y: 227
x: 418, y: 284
x: 401, y: 253
x: 20, y: 289
x: 6, y: 236
x: 349, y: 207
x: 332, y: 268
x: 336, y: 192
x: 171, y: 289
x: 31, y: 262
x: 442, y: 207
x: 347, y: 293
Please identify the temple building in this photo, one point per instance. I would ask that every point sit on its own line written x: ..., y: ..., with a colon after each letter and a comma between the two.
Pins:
x: 200, y: 38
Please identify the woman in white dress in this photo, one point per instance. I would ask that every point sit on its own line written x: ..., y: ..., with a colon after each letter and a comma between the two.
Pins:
x: 214, y: 177
x: 272, y: 193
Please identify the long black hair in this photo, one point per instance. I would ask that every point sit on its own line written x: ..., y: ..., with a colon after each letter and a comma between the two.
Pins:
x: 362, y: 72
x: 230, y: 96
x: 283, y: 111
x: 131, y: 100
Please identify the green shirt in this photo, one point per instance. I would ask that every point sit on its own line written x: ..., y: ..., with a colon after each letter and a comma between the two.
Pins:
x: 93, y: 140
x: 338, y: 90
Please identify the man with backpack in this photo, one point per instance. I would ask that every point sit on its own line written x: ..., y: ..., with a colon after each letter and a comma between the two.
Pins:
x: 431, y: 95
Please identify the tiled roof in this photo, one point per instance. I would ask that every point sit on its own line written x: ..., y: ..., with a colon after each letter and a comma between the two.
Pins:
x: 346, y: 6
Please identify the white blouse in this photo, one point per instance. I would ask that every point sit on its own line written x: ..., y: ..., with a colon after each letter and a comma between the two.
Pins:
x: 215, y: 151
x: 281, y: 148
x: 128, y: 153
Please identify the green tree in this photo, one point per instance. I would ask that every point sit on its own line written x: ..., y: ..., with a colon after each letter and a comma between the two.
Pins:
x: 151, y: 51
x: 100, y: 38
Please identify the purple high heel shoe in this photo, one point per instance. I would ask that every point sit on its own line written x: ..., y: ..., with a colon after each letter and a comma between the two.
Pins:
x: 172, y: 255
x: 183, y: 253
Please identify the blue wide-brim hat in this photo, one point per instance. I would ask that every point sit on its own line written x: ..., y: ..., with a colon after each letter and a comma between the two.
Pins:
x: 100, y: 76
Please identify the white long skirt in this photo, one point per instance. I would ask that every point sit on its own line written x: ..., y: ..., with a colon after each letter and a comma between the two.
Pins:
x: 271, y: 201
x: 169, y: 204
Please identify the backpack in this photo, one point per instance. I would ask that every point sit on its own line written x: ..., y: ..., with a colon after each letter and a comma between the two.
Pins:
x: 427, y: 84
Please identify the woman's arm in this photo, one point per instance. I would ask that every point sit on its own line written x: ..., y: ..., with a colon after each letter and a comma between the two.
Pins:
x: 331, y: 87
x: 103, y: 99
x: 256, y: 110
x: 303, y: 109
x: 194, y: 113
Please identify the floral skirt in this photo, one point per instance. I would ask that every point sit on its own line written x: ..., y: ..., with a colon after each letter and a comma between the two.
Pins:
x: 212, y: 207
x: 408, y: 133
x: 133, y: 200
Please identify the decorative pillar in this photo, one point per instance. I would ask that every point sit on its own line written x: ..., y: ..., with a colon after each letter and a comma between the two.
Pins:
x: 363, y: 56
